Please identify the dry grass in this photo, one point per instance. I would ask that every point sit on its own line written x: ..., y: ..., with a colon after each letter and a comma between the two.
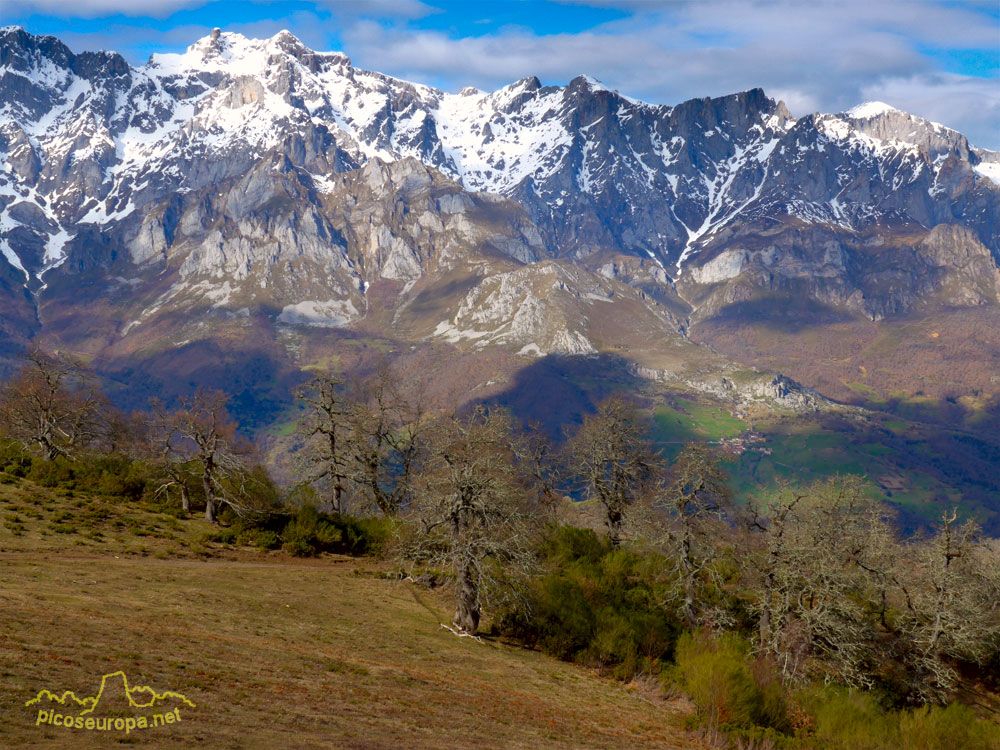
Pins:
x: 279, y: 653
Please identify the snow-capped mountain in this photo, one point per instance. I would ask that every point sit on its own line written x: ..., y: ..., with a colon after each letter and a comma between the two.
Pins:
x: 258, y: 179
x: 87, y: 139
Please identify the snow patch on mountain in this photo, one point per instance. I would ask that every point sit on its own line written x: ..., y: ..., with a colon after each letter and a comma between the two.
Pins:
x: 869, y: 109
x: 989, y: 170
x: 12, y: 258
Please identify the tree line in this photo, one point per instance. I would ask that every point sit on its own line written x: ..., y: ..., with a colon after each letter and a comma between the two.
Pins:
x: 816, y: 579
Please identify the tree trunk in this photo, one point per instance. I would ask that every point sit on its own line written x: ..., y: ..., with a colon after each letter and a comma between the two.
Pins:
x: 764, y: 630
x: 51, y: 452
x: 467, y: 606
x: 616, y: 520
x: 209, y: 498
x: 185, y: 498
x: 689, y: 613
x: 766, y: 615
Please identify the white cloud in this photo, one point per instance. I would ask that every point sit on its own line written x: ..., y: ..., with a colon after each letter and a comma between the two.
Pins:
x: 398, y: 9
x: 821, y: 56
x: 395, y: 9
x: 98, y: 8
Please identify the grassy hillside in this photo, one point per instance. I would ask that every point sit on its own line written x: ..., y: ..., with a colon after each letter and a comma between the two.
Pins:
x: 931, y: 357
x: 273, y: 652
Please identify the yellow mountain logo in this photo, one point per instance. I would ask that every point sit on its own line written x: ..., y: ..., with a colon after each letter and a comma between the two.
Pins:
x: 105, y: 711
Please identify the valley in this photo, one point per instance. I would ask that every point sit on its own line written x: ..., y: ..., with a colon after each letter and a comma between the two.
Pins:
x: 345, y: 404
x: 251, y: 212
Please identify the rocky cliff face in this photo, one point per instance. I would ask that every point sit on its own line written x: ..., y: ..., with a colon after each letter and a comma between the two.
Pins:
x: 874, y: 274
x: 260, y: 178
x: 299, y: 249
x: 87, y: 139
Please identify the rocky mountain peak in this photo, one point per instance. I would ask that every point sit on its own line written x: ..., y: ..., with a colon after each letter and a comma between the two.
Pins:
x: 871, y: 110
x: 588, y: 84
x: 255, y: 190
x: 885, y: 123
x: 89, y: 146
x: 22, y: 52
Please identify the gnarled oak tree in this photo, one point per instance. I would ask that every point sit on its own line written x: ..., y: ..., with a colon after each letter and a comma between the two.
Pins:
x: 473, y: 512
x: 50, y: 405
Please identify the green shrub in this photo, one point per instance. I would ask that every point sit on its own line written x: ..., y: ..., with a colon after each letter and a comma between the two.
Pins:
x: 363, y: 536
x: 299, y: 547
x: 856, y: 720
x: 56, y: 473
x: 726, y: 688
x: 594, y: 605
x: 562, y: 621
x: 14, y: 460
x: 104, y: 474
x: 847, y: 718
x: 954, y: 726
x: 129, y: 484
x: 223, y: 536
x: 19, y: 469
x: 264, y: 539
x: 310, y: 533
x: 304, y: 533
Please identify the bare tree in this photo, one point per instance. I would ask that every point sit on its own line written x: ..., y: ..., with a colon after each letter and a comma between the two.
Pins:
x: 50, y: 405
x: 814, y: 572
x: 951, y: 590
x: 123, y: 432
x: 327, y: 431
x: 165, y: 445
x: 201, y: 431
x: 541, y: 463
x: 473, y: 513
x: 361, y: 442
x: 693, y: 505
x: 614, y: 461
x: 386, y: 442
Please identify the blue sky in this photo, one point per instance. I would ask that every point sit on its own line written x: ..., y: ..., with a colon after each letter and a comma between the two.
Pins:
x: 940, y: 60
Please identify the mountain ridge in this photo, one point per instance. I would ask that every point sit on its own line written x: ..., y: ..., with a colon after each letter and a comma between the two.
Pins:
x: 255, y: 188
x: 246, y: 212
x: 548, y: 147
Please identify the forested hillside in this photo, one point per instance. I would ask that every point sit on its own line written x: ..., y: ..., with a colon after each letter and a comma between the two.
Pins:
x: 781, y: 617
